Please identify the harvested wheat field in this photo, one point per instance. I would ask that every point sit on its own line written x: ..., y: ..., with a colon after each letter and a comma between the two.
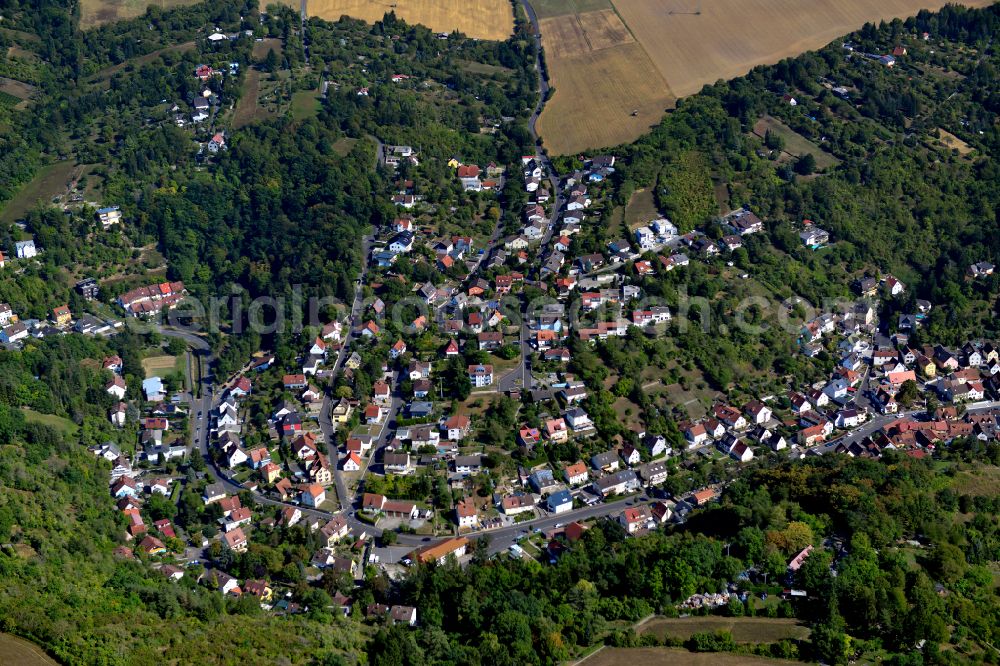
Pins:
x: 694, y: 42
x: 600, y: 77
x: 482, y: 19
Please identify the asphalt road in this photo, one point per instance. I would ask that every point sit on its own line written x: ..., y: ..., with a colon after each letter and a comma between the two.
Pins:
x: 882, y: 420
x: 521, y: 374
x: 502, y: 538
x: 353, y: 321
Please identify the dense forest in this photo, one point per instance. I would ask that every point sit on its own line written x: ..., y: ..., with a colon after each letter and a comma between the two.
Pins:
x: 882, y: 596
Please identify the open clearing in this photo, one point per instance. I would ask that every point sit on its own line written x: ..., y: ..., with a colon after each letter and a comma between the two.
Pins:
x: 49, y: 182
x: 796, y: 145
x: 672, y: 48
x: 305, y: 104
x: 344, y: 146
x: 482, y: 19
x: 157, y: 366
x: 247, y: 108
x: 952, y: 141
x: 14, y: 650
x: 138, y: 62
x: 983, y: 481
x: 23, y: 92
x: 65, y: 426
x: 641, y: 209
x: 550, y: 8
x: 98, y: 12
x: 743, y: 629
x: 261, y: 48
x: 674, y: 657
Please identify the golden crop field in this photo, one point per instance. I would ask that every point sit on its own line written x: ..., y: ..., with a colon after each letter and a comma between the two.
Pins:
x: 729, y: 37
x: 482, y: 19
x: 642, y: 54
x: 600, y: 77
x: 98, y: 12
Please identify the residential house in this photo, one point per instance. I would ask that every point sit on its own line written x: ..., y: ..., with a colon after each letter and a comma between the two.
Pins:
x: 559, y: 502
x: 653, y: 474
x: 579, y: 421
x: 481, y: 375
x: 115, y: 387
x: 636, y: 518
x: 542, y: 480
x: 617, y: 483
x: 576, y: 473
x: 235, y: 540
x: 294, y: 382
x: 556, y: 430
x: 656, y: 445
x: 397, y: 463
x: 466, y: 513
x: 440, y: 553
x: 528, y: 437
x: 757, y: 412
x: 696, y: 434
x: 606, y: 461
x: 511, y: 505
x: 25, y: 249
x: 372, y: 503
x: 352, y: 462
x: 457, y: 427
x: 468, y: 465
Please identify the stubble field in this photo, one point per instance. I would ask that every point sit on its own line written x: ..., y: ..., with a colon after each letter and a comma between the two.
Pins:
x: 729, y: 37
x: 672, y: 48
x: 482, y: 19
x: 606, y: 88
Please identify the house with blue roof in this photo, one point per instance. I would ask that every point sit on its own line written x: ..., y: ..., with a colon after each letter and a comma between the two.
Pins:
x: 559, y: 502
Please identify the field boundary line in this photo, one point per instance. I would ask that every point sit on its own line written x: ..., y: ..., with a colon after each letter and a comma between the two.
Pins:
x: 621, y: 18
x: 649, y: 56
x: 580, y: 661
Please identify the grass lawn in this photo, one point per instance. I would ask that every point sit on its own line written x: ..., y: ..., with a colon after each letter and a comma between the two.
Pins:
x: 616, y: 223
x: 305, y: 104
x: 550, y: 8
x: 261, y: 48
x: 641, y: 209
x: 63, y: 425
x: 16, y: 93
x: 344, y: 146
x: 632, y: 419
x: 743, y: 629
x: 249, y: 108
x: 50, y: 182
x: 475, y: 405
x: 482, y: 68
x: 982, y: 481
x: 502, y: 366
x: 157, y: 366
